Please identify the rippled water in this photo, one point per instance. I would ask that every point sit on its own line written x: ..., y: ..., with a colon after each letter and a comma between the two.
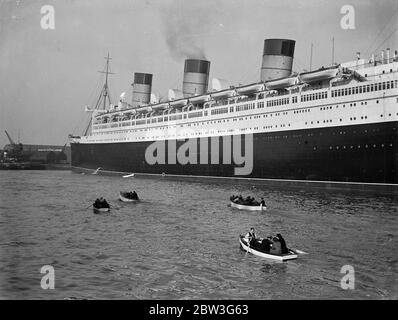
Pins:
x: 181, y: 242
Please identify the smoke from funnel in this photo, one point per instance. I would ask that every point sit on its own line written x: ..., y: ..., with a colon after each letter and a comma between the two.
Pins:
x: 184, y: 27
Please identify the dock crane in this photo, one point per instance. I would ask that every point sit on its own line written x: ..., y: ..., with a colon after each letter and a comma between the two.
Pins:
x: 14, y: 150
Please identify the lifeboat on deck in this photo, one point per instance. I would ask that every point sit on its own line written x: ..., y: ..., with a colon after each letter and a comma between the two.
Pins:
x: 179, y: 103
x: 281, y: 83
x: 161, y: 106
x: 223, y: 94
x: 319, y: 75
x: 253, y: 88
x: 199, y: 99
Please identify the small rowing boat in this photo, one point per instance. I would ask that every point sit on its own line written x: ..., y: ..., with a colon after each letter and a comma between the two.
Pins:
x: 101, y: 210
x: 128, y: 175
x: 124, y: 197
x: 248, y: 207
x: 257, y: 251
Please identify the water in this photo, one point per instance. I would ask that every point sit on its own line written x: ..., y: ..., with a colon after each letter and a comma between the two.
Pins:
x: 181, y: 242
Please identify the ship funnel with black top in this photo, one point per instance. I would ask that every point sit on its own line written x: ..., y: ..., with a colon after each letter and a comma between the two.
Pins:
x: 142, y: 87
x: 196, y: 77
x: 277, y: 59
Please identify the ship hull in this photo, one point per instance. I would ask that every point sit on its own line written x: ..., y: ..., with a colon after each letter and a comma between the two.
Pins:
x: 365, y: 153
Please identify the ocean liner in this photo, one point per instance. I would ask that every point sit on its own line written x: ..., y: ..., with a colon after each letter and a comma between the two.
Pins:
x: 337, y: 123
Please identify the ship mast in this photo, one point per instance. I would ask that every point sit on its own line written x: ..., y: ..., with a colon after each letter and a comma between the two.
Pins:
x: 104, y: 93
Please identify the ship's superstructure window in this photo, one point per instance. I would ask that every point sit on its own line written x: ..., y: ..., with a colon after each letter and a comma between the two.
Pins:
x: 314, y: 96
x: 366, y: 88
x: 244, y: 107
x: 195, y: 114
x: 278, y: 102
x: 176, y: 117
x: 219, y: 111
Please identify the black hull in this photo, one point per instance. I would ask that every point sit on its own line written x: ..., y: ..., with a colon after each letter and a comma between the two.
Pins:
x: 361, y: 153
x: 21, y: 166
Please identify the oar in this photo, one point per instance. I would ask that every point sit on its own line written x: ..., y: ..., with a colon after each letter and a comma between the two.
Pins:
x: 248, y: 246
x: 88, y: 206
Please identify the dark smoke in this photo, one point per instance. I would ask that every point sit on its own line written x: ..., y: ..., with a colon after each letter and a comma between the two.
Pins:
x: 186, y: 23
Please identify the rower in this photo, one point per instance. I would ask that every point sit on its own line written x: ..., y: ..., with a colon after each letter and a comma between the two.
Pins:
x: 262, y: 202
x: 103, y: 203
x: 96, y: 204
x: 251, y: 236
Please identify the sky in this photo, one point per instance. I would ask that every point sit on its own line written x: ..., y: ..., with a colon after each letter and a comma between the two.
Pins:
x: 48, y: 76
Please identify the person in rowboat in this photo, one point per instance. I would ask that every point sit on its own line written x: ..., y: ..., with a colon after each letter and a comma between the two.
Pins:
x: 103, y: 203
x: 276, y: 246
x: 284, y: 248
x: 262, y: 202
x: 251, y: 237
x: 266, y: 244
x: 96, y: 204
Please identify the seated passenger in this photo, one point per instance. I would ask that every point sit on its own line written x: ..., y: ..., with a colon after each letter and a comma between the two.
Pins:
x: 284, y: 248
x: 266, y: 245
x: 103, y: 203
x: 96, y: 204
x: 276, y: 247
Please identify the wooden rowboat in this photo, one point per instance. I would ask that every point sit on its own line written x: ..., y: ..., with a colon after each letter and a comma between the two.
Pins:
x: 247, y: 207
x: 263, y: 254
x: 123, y: 198
x: 101, y: 210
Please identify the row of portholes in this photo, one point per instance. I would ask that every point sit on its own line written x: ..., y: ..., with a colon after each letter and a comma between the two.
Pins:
x: 366, y: 146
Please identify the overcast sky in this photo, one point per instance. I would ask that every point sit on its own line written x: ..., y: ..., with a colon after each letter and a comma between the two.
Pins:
x: 47, y: 76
